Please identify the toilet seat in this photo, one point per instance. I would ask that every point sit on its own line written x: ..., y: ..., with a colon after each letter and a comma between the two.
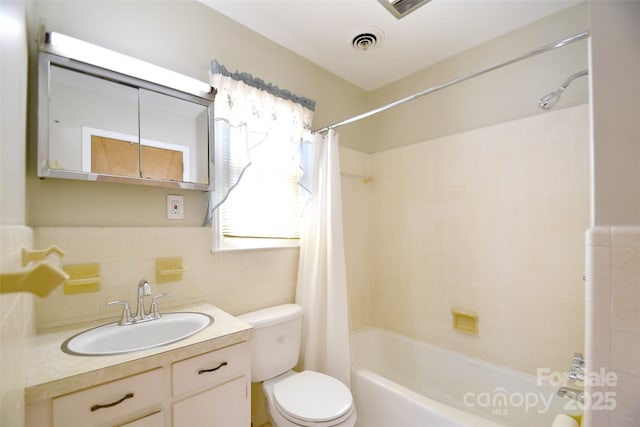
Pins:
x: 312, y: 399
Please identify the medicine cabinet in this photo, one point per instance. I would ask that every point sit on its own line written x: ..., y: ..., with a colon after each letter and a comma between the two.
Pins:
x: 98, y: 123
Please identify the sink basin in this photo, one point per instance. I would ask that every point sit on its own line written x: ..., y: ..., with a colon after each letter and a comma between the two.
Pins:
x: 115, y: 339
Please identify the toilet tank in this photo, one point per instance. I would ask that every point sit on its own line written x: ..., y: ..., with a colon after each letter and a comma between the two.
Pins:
x: 275, y: 345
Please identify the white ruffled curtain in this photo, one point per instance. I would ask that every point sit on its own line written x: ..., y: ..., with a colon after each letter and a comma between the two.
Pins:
x: 247, y: 114
x: 322, y: 279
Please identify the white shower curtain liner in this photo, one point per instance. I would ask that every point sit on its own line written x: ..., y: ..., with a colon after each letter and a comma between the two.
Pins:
x: 322, y: 278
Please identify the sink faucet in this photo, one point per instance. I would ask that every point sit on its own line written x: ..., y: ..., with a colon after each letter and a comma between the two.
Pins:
x: 144, y: 289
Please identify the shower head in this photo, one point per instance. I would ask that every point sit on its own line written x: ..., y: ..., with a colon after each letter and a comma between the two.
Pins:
x: 549, y: 100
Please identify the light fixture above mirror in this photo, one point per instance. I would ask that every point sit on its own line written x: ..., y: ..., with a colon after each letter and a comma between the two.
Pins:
x: 104, y: 116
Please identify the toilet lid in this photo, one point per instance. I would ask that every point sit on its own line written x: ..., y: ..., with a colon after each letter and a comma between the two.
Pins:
x: 310, y: 397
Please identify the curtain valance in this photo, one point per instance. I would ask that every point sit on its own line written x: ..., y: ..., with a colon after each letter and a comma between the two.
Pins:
x: 248, y: 79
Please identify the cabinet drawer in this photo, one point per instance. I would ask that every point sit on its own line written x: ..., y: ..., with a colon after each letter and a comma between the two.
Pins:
x: 101, y: 404
x: 210, y: 369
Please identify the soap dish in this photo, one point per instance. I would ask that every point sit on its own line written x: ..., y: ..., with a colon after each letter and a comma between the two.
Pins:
x: 82, y: 278
x: 465, y: 322
x: 169, y: 269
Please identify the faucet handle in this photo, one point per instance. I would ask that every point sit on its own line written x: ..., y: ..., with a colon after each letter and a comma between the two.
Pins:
x: 578, y: 359
x: 154, y: 307
x: 126, y: 318
x: 576, y: 374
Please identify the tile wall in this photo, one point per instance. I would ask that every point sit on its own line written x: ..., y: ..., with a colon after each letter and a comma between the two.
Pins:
x: 234, y: 281
x: 490, y: 221
x: 356, y: 190
x: 613, y: 322
x: 16, y: 328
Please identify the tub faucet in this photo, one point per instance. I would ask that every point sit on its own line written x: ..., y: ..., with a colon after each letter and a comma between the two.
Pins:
x: 144, y: 289
x: 577, y: 368
x: 575, y: 394
x: 576, y: 374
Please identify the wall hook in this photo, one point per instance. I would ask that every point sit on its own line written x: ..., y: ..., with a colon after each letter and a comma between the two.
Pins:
x: 39, y: 255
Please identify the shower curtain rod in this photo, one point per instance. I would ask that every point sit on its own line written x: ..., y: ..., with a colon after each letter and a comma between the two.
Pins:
x: 541, y: 49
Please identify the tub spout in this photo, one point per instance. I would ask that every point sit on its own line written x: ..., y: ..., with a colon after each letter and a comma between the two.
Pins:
x: 572, y: 393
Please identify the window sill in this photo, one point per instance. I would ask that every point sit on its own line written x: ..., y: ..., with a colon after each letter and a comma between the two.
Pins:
x: 228, y: 244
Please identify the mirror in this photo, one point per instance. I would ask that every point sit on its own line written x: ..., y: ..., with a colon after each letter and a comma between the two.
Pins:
x: 96, y: 124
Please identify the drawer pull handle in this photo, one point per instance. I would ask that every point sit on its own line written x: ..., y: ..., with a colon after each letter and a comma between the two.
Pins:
x: 109, y: 405
x: 204, y: 371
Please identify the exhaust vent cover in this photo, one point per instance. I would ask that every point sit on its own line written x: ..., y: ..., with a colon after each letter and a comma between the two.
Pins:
x: 364, y: 41
x: 401, y: 8
x: 367, y: 38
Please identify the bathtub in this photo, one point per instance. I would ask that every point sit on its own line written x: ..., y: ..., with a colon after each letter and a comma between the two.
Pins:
x: 401, y: 382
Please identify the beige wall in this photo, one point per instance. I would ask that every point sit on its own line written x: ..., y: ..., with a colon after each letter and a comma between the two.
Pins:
x: 489, y: 221
x: 506, y: 94
x: 13, y: 109
x: 615, y: 67
x: 16, y: 309
x: 183, y: 36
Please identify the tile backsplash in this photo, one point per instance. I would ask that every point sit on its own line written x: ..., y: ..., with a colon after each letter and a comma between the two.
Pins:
x: 16, y: 327
x: 235, y: 281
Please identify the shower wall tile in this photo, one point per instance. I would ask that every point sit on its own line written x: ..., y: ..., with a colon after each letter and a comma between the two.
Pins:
x: 490, y: 221
x: 357, y: 232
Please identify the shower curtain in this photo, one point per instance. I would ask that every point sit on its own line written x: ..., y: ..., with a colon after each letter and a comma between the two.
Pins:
x: 322, y: 278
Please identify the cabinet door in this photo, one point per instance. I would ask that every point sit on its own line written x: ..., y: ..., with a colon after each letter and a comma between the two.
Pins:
x: 227, y: 405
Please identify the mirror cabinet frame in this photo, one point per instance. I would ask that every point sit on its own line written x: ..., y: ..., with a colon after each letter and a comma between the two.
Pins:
x: 47, y: 60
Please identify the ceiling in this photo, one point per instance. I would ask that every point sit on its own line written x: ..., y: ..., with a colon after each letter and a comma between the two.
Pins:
x: 322, y: 31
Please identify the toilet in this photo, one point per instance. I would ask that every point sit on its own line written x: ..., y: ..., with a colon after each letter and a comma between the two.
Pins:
x: 306, y: 398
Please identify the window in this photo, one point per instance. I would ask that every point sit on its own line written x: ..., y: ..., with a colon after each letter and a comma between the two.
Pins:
x: 265, y: 204
x: 257, y: 199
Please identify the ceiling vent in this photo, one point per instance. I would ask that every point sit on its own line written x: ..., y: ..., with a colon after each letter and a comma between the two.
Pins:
x: 364, y: 41
x: 401, y: 8
x: 367, y: 38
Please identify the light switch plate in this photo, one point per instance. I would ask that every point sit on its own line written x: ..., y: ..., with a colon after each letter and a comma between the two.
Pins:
x: 175, y: 207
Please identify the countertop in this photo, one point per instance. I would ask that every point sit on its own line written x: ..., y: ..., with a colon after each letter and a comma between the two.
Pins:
x: 51, y: 372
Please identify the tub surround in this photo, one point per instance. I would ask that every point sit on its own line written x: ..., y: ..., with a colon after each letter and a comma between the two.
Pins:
x: 489, y: 221
x: 53, y: 373
x: 402, y: 381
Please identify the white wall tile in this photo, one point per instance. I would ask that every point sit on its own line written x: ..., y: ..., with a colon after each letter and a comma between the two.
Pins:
x: 613, y: 332
x: 17, y: 327
x: 492, y: 221
x: 128, y: 254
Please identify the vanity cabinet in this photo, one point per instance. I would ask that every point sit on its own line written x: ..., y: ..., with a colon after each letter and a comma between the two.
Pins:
x: 213, y: 389
x: 210, y: 389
